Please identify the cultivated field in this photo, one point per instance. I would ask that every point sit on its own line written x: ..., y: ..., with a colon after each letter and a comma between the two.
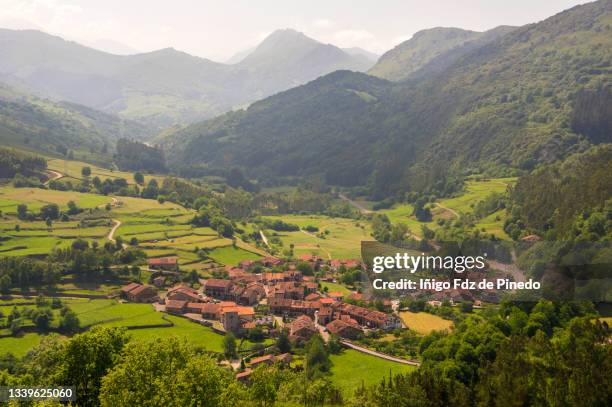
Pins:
x: 424, y: 323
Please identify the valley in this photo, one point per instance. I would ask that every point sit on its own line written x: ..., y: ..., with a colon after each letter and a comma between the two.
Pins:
x: 179, y: 231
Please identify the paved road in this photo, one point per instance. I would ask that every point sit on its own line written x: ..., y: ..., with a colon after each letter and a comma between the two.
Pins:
x: 379, y: 355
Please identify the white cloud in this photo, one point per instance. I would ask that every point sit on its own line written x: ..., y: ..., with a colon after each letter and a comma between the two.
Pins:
x: 323, y: 23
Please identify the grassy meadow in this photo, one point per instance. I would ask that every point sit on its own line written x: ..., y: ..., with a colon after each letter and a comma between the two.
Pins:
x: 424, y: 323
x: 350, y: 369
x: 343, y: 240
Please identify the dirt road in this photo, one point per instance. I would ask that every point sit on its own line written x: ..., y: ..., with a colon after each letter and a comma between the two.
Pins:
x: 54, y: 175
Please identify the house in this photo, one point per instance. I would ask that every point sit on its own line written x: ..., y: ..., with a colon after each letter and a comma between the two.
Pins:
x: 344, y: 329
x: 283, y: 306
x: 271, y: 261
x: 159, y: 281
x: 312, y: 297
x: 336, y: 295
x: 284, y: 358
x: 531, y: 238
x: 139, y: 293
x: 325, y: 315
x: 184, y: 293
x: 302, y: 329
x: 218, y: 288
x: 245, y: 376
x: 163, y: 263
x: 176, y: 306
x: 252, y: 294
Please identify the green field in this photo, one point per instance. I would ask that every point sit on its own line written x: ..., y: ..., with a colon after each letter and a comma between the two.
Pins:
x: 476, y: 191
x: 335, y: 287
x: 450, y: 208
x: 350, y: 369
x: 231, y: 256
x: 35, y: 198
x: 72, y: 169
x: 342, y: 242
x: 424, y: 323
x: 111, y: 313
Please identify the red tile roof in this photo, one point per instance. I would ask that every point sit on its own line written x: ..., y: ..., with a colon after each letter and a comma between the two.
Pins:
x: 162, y: 261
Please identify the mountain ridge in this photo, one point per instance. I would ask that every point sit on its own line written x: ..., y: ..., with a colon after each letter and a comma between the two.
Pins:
x: 167, y: 86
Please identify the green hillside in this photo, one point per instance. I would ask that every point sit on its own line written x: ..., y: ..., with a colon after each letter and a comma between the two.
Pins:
x: 432, y: 49
x: 51, y: 127
x: 499, y: 110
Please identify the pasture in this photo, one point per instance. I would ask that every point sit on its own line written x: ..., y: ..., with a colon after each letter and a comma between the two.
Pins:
x: 351, y: 369
x: 338, y: 238
x: 424, y: 323
x: 72, y: 169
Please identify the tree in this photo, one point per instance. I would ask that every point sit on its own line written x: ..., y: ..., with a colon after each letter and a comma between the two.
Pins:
x: 381, y: 228
x: 86, y: 171
x: 139, y: 178
x: 399, y: 232
x: 165, y: 372
x: 229, y: 345
x: 317, y: 358
x: 5, y: 284
x: 282, y: 342
x: 50, y: 211
x: 42, y: 319
x: 22, y: 211
x: 69, y: 322
x: 87, y: 359
x: 72, y: 208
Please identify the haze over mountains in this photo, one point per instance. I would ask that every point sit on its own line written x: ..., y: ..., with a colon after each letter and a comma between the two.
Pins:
x: 165, y: 87
x: 446, y: 103
x: 510, y: 104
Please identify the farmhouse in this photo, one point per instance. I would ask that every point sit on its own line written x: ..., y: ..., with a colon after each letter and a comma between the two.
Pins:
x: 176, y: 306
x: 302, y: 329
x: 282, y: 306
x: 344, y: 329
x: 163, y: 263
x: 184, y: 293
x: 218, y: 288
x: 284, y: 358
x: 139, y: 293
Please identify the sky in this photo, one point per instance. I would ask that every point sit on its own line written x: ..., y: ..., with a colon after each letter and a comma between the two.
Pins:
x: 217, y: 29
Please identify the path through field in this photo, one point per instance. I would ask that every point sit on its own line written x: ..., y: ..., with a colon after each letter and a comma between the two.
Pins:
x: 55, y: 175
x: 357, y: 205
x: 454, y: 212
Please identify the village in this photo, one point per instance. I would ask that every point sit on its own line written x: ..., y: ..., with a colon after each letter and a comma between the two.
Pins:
x: 280, y: 297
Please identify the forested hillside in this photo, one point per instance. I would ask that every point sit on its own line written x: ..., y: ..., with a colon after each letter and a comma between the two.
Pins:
x: 501, y: 109
x: 60, y: 127
x: 432, y: 49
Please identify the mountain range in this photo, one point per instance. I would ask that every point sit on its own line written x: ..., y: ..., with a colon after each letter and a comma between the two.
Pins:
x: 497, y: 103
x: 165, y: 87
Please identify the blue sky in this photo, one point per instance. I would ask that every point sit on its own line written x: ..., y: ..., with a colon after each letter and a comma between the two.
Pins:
x: 217, y: 29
